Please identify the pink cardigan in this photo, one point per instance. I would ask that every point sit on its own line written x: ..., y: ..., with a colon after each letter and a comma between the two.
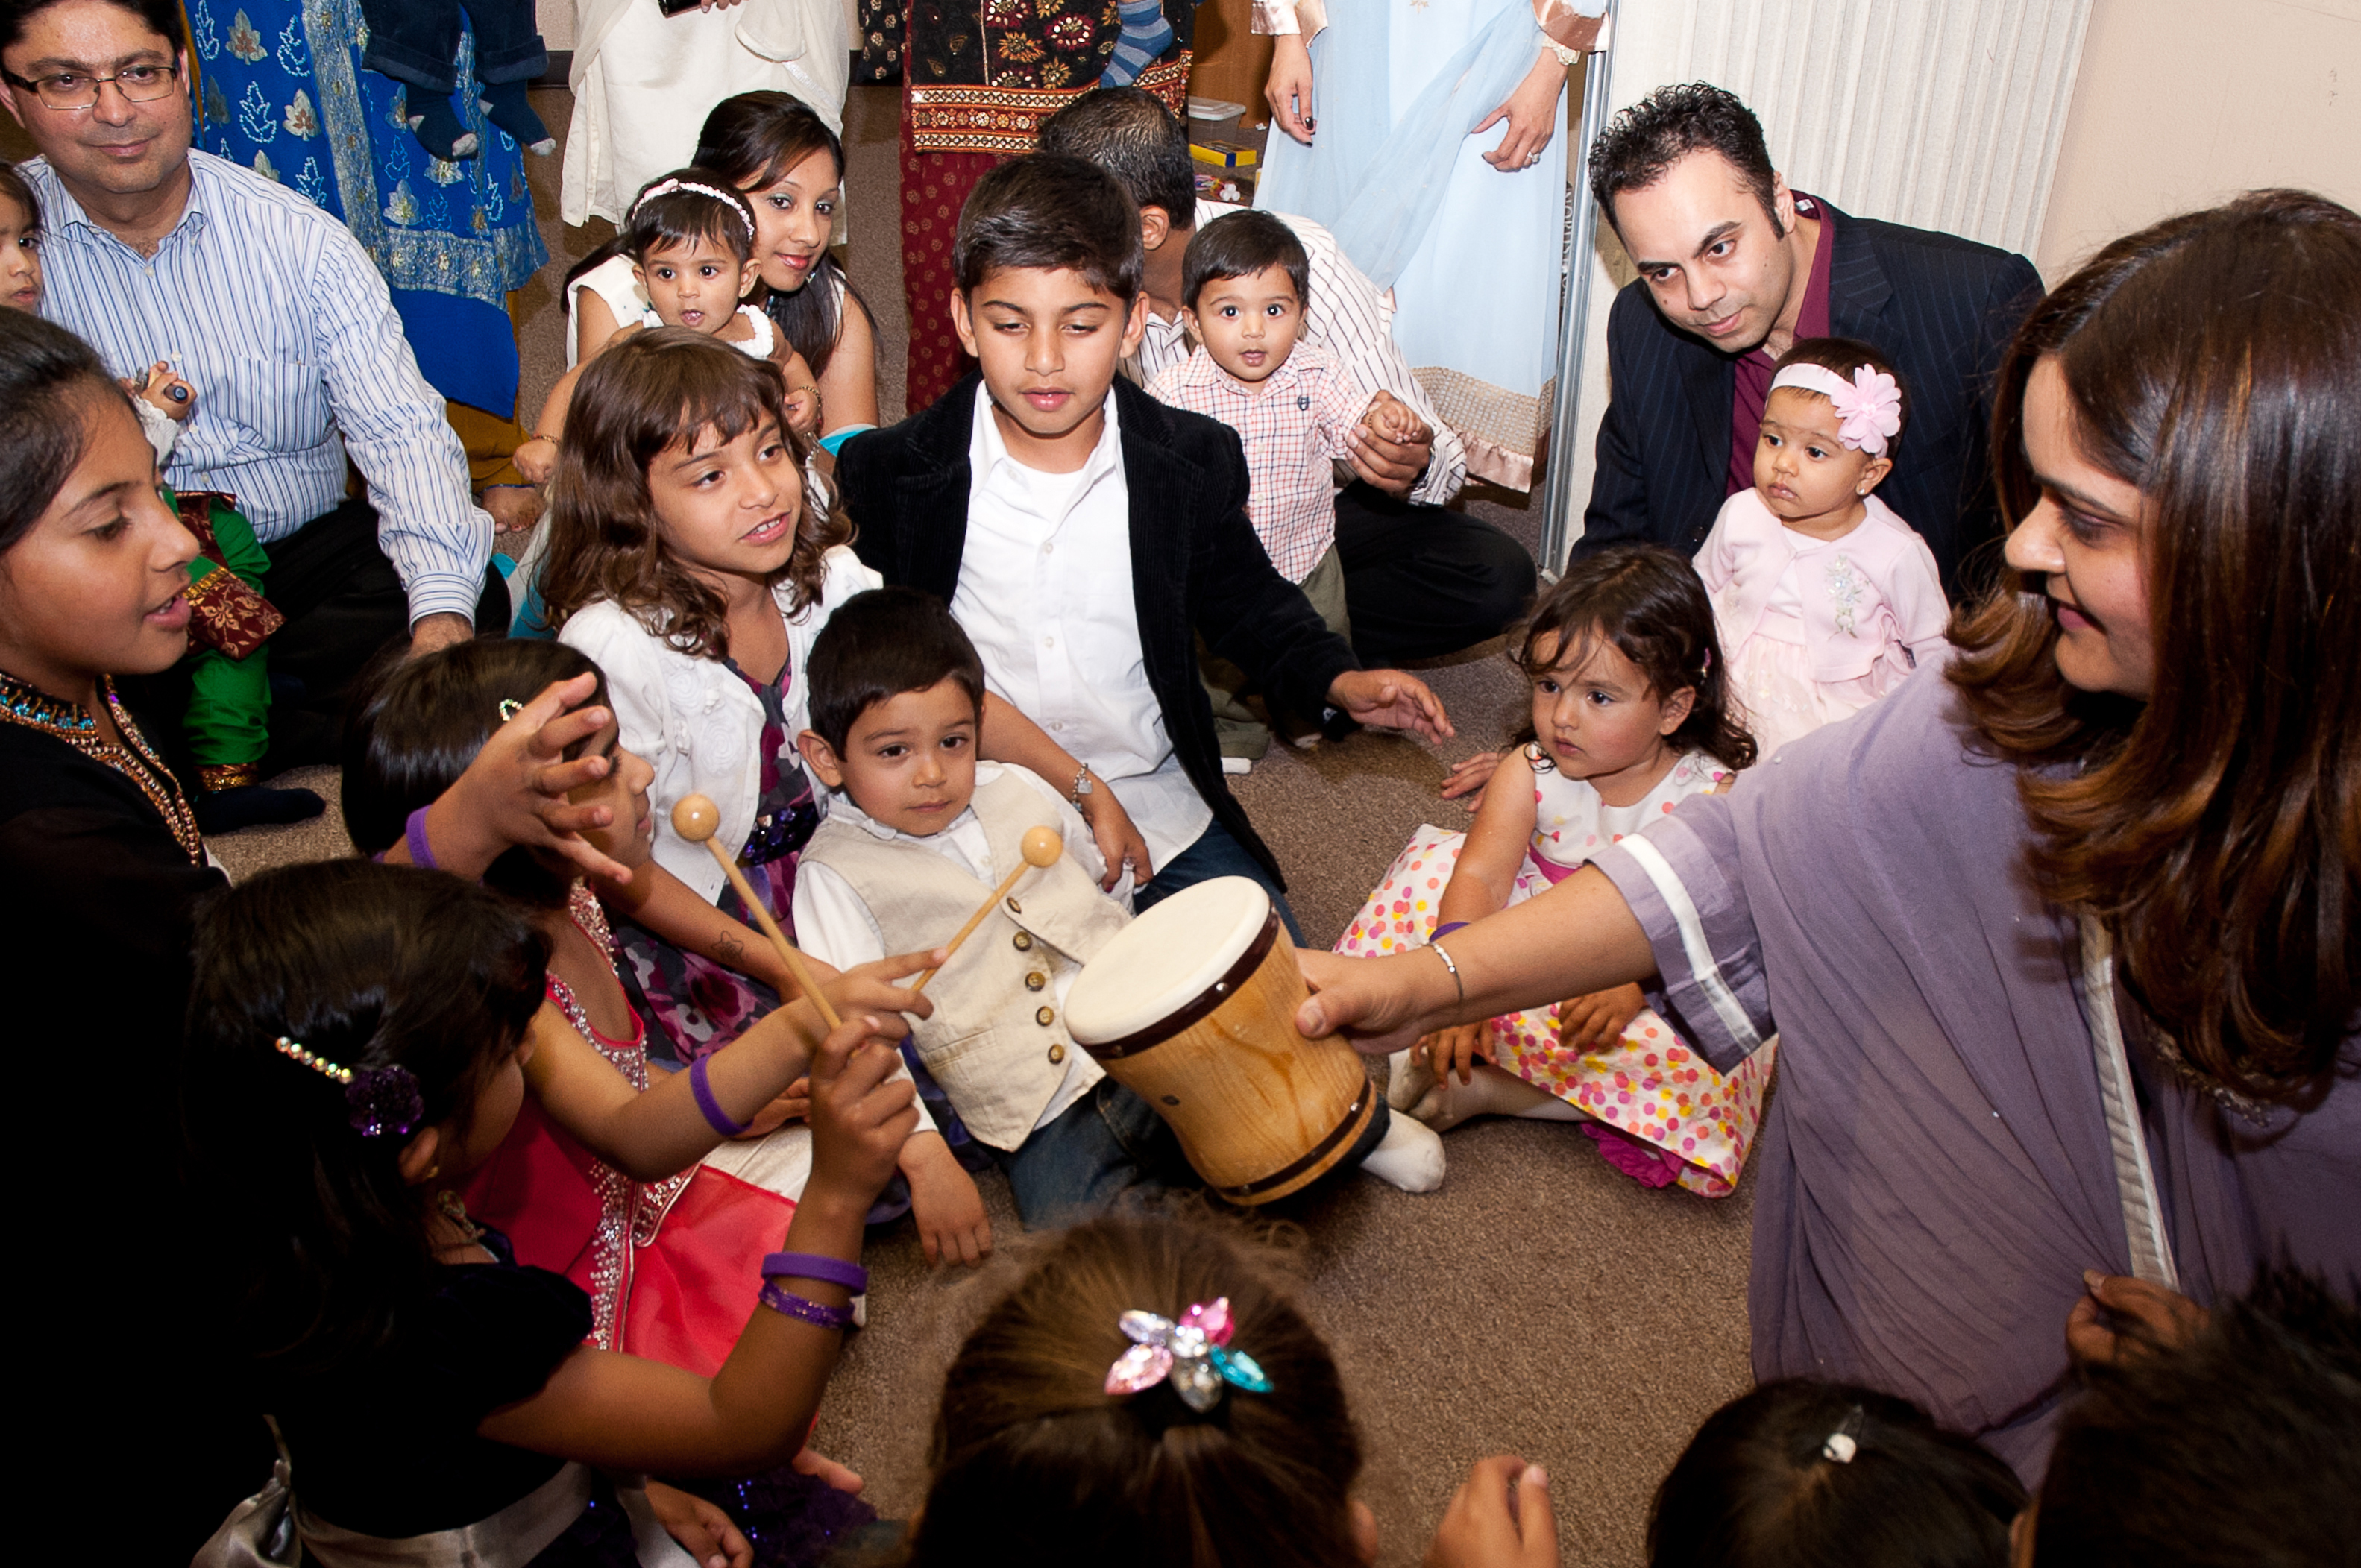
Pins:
x: 1871, y: 598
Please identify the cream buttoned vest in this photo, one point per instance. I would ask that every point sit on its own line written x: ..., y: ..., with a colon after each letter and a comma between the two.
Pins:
x: 997, y: 1042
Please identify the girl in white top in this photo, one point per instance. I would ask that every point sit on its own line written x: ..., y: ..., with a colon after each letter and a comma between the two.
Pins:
x: 690, y: 242
x: 1825, y: 600
x: 1630, y: 718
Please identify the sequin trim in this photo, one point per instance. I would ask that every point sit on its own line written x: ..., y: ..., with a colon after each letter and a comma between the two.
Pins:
x: 36, y: 709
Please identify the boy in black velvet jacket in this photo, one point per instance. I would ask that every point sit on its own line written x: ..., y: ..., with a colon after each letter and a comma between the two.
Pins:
x: 1035, y: 492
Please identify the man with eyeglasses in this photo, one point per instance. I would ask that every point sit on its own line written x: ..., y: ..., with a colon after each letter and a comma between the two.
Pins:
x: 276, y: 315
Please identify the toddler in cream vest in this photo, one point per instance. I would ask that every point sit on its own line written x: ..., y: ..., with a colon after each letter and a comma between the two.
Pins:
x: 918, y: 834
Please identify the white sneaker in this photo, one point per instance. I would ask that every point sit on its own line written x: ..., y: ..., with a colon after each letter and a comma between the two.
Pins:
x: 1237, y: 767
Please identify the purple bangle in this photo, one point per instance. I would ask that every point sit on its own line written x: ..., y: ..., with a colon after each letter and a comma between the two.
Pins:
x: 812, y: 1265
x: 795, y: 1306
x: 414, y: 835
x: 714, y: 1116
x: 1445, y: 929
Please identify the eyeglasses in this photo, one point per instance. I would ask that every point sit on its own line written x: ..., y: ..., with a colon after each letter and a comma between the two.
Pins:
x: 141, y: 83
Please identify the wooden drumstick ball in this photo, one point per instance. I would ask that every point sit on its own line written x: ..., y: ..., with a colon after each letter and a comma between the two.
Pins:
x: 1039, y: 847
x: 696, y: 819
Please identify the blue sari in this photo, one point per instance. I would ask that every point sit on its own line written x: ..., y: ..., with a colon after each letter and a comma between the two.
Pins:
x: 280, y: 91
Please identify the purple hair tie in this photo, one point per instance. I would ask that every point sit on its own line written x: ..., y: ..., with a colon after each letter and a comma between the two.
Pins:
x: 1445, y: 929
x: 813, y: 1266
x: 379, y: 1099
x: 790, y: 1304
x: 714, y: 1116
x: 413, y: 833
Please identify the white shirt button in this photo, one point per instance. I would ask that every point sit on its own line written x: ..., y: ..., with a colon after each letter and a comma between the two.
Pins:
x: 1049, y: 643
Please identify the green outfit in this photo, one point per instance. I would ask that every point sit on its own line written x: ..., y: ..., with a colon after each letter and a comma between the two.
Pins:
x: 228, y: 721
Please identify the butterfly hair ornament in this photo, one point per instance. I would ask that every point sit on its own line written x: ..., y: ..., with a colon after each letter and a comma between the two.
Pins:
x: 1193, y: 1353
x: 380, y: 1099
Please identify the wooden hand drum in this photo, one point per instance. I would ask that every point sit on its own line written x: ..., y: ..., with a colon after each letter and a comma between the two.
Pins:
x: 1191, y: 1007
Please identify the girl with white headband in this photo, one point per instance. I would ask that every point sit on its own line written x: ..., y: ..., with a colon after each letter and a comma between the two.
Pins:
x: 690, y: 237
x: 1825, y: 600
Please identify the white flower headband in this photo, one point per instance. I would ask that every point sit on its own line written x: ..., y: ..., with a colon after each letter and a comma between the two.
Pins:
x: 1868, y: 407
x: 737, y: 204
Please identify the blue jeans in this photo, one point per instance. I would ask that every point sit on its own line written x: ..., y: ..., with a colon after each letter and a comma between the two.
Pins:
x: 1215, y: 854
x: 1108, y: 1145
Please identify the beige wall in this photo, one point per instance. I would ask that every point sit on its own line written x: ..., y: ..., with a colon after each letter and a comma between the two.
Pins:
x: 2181, y: 103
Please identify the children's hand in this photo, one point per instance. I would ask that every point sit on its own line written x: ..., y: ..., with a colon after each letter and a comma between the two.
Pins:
x: 1455, y: 1049
x: 2117, y: 1316
x: 861, y: 1114
x: 1389, y: 464
x: 514, y: 508
x: 1501, y: 1518
x: 1532, y: 113
x: 944, y: 1201
x: 1117, y: 838
x: 514, y: 793
x: 703, y: 1530
x: 881, y: 988
x: 1392, y: 698
x: 1469, y: 778
x: 536, y: 459
x: 1594, y: 1022
x: 163, y: 389
x: 1388, y: 416
x: 803, y: 408
x: 1288, y: 89
x: 793, y: 1101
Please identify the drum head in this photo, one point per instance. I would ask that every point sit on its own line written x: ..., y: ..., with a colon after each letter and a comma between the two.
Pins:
x: 1166, y: 958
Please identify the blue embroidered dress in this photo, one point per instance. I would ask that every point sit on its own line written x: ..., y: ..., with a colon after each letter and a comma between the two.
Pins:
x: 280, y: 91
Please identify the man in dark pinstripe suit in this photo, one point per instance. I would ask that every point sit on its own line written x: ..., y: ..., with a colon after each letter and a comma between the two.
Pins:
x: 1734, y: 268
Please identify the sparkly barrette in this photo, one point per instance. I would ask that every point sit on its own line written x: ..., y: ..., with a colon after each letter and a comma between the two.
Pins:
x: 737, y: 204
x: 1194, y: 1352
x: 510, y: 708
x: 381, y: 1099
x: 1845, y: 1441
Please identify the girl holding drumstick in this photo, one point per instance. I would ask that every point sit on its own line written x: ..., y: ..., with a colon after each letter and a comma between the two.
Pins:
x: 2095, y: 891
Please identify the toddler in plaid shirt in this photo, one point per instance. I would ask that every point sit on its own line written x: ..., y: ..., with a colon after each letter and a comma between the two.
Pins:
x: 1244, y: 283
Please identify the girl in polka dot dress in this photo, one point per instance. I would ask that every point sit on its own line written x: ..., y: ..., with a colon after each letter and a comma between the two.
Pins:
x: 1630, y: 716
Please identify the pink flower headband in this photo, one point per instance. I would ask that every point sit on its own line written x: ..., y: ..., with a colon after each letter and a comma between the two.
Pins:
x: 1194, y: 1352
x: 1868, y: 407
x: 737, y: 204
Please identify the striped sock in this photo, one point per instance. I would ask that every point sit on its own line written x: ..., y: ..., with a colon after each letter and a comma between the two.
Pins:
x: 1145, y: 35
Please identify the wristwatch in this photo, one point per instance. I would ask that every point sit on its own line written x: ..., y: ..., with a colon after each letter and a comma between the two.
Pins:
x: 1083, y: 785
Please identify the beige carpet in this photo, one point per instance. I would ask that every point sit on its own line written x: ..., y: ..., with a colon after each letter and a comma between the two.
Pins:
x: 1539, y: 1303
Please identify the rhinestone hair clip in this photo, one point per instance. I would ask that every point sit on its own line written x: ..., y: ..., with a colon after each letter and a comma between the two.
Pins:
x: 737, y: 204
x: 381, y: 1099
x: 1194, y: 1352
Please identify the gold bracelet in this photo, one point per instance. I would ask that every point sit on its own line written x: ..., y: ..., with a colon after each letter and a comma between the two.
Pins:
x: 1436, y: 948
x: 551, y: 439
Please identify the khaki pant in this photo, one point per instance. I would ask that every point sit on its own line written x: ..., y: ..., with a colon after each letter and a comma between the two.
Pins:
x: 1240, y: 729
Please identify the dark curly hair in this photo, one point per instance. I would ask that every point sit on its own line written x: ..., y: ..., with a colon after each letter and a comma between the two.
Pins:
x: 1642, y: 141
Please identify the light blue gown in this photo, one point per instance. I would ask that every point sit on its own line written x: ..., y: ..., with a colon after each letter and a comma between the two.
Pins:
x: 1472, y: 253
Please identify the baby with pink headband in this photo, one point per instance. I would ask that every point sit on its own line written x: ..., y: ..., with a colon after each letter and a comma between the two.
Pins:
x: 1824, y: 599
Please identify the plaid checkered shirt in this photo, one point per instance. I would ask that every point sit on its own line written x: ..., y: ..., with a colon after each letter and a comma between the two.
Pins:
x: 1293, y: 424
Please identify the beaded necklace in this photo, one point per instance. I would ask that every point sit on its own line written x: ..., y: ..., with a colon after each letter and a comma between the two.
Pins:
x: 36, y: 709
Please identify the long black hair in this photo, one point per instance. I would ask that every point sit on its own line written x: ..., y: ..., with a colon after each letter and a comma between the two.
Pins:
x: 752, y: 140
x: 416, y: 725
x: 320, y: 1242
x: 49, y: 380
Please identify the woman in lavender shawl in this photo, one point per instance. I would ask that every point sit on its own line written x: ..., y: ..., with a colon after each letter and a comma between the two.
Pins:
x: 2062, y: 949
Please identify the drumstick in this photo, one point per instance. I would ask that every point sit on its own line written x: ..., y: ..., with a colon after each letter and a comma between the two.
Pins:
x: 696, y: 818
x: 1040, y: 847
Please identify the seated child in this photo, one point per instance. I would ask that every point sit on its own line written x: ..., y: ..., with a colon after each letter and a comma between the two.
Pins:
x: 1245, y: 287
x: 1825, y: 598
x: 690, y: 240
x: 1084, y: 1422
x: 1630, y: 718
x: 2236, y: 1440
x: 1803, y: 1472
x: 918, y: 834
x: 358, y: 1041
x: 1029, y: 498
x: 224, y: 723
x: 668, y: 1244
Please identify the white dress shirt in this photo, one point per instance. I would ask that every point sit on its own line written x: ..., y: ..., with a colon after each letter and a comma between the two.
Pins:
x: 834, y: 924
x: 1347, y: 316
x: 272, y: 310
x: 1046, y: 594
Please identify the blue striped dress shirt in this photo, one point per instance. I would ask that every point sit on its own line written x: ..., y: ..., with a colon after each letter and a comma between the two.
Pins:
x: 275, y: 314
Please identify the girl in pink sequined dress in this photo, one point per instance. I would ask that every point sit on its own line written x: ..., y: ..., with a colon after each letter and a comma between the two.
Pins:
x: 1630, y: 716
